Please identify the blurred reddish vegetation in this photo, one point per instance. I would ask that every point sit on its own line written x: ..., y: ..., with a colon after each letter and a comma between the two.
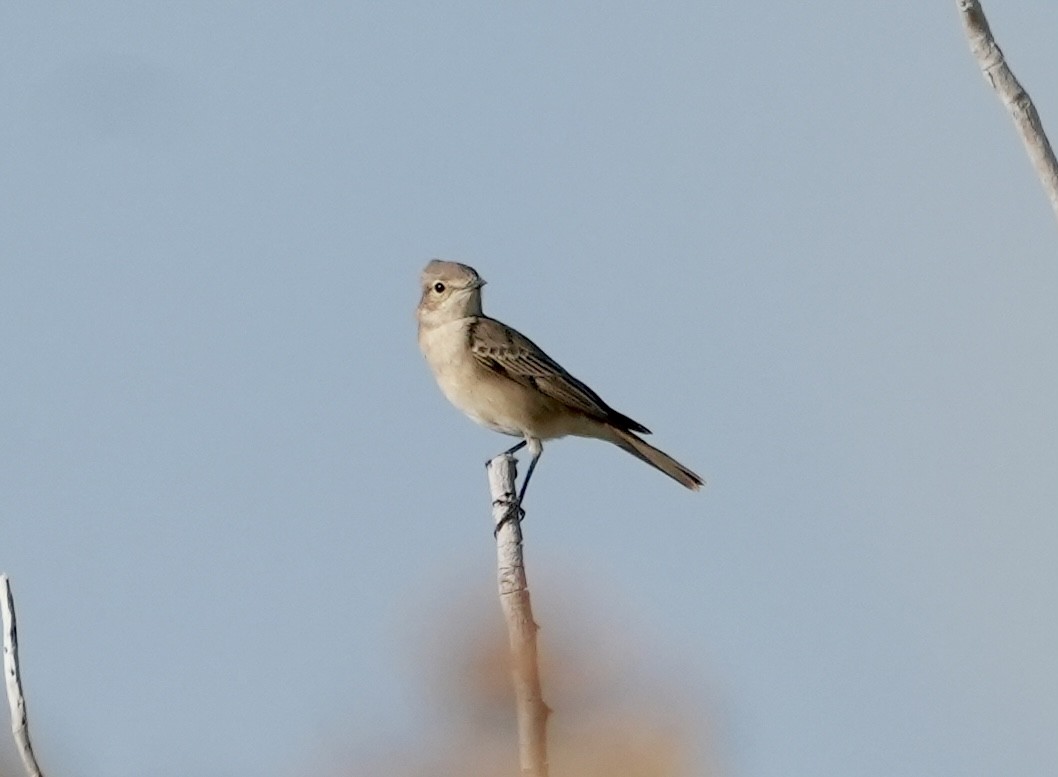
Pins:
x: 609, y: 717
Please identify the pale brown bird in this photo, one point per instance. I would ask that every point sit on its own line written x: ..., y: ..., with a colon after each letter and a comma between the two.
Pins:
x: 503, y: 380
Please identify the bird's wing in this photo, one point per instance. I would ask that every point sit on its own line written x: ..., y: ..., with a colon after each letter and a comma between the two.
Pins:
x: 510, y: 353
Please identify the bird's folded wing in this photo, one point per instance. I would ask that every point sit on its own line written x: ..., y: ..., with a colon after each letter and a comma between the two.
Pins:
x: 513, y: 355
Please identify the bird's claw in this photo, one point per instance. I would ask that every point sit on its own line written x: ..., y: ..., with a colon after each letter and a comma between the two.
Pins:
x: 513, y: 512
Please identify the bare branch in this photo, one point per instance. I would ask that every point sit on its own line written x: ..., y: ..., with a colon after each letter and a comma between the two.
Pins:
x: 996, y: 71
x: 13, y: 678
x: 521, y: 628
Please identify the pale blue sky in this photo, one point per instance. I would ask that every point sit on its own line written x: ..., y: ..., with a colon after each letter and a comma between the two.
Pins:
x: 801, y: 243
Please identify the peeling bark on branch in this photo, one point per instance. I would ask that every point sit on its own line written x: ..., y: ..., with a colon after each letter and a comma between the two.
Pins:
x: 521, y: 628
x: 996, y: 71
x: 13, y: 680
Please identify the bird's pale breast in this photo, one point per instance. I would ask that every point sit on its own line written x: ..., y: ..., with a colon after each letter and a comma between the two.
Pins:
x: 489, y: 399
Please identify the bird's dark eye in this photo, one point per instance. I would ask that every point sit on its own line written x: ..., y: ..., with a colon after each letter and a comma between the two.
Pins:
x: 438, y: 287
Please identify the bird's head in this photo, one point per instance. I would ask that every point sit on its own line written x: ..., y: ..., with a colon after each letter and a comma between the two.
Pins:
x: 450, y: 291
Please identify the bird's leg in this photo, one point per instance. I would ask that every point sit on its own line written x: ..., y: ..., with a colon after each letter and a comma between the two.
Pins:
x: 517, y: 512
x: 510, y: 450
x: 516, y: 448
x: 528, y: 474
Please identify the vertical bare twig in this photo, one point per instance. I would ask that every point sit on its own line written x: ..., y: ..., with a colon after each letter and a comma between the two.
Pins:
x: 521, y: 628
x: 13, y: 678
x: 996, y: 71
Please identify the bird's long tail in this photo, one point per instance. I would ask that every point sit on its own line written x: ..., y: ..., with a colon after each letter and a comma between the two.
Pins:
x: 658, y: 459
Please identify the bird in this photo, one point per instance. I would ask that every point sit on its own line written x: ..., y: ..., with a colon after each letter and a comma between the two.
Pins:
x: 504, y: 381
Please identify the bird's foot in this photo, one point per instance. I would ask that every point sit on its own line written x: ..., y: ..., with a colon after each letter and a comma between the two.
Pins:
x: 513, y: 512
x: 509, y: 452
